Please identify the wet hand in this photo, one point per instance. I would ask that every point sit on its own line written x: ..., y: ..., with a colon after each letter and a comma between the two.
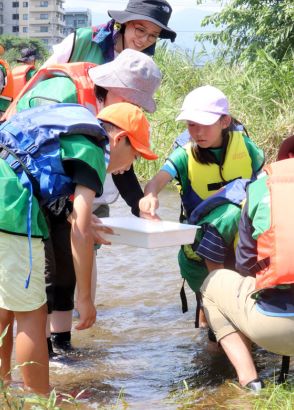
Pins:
x: 97, y: 228
x: 149, y: 204
x: 87, y: 313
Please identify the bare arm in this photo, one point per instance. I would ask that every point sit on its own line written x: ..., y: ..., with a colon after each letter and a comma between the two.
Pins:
x: 82, y: 251
x: 150, y: 202
x: 62, y: 52
x: 213, y: 265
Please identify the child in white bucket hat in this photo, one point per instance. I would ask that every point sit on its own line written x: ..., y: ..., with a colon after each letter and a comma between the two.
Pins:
x: 215, y: 155
x: 132, y: 76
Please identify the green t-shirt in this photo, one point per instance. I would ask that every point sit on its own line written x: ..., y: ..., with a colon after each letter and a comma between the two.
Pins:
x: 83, y: 161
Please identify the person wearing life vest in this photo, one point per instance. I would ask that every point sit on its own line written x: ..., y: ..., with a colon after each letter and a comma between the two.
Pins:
x: 24, y: 72
x: 40, y: 160
x: 6, y: 89
x: 133, y: 77
x: 258, y: 305
x: 12, y: 80
x: 137, y: 27
x: 214, y: 157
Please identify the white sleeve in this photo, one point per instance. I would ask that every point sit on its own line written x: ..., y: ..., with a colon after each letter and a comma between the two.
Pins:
x: 61, y: 51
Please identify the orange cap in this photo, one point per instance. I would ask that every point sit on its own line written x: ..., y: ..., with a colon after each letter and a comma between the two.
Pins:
x: 131, y: 119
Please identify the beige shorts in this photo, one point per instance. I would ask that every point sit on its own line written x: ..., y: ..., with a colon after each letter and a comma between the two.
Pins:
x: 228, y: 307
x: 14, y: 270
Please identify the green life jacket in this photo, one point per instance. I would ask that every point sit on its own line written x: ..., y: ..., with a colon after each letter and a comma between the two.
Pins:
x: 84, y: 49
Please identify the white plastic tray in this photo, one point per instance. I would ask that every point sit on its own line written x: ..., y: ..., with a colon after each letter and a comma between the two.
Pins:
x: 144, y: 233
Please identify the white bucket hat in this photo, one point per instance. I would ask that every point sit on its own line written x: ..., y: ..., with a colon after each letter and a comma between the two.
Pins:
x: 132, y: 75
x: 204, y: 105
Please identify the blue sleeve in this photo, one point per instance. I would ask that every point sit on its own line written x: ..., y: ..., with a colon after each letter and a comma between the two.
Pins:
x: 169, y: 168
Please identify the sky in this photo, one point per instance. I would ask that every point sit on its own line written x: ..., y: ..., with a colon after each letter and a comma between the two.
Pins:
x: 185, y: 19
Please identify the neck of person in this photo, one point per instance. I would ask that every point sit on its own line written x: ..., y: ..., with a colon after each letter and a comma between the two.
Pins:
x: 119, y: 45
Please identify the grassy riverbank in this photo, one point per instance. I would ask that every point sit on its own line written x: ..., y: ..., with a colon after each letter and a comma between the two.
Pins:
x: 261, y: 96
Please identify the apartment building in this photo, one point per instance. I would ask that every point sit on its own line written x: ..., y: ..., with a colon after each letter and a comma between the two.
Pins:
x: 9, y: 17
x: 41, y: 19
x: 75, y: 18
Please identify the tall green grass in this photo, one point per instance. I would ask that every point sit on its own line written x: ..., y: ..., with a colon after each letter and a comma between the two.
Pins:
x: 261, y: 96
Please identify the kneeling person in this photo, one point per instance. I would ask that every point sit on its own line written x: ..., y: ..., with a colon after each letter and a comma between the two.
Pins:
x: 257, y: 304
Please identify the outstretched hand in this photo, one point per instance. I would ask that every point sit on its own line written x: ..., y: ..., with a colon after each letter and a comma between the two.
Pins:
x: 148, y: 204
x: 97, y: 228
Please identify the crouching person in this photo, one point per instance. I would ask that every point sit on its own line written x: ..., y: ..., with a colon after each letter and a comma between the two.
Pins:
x: 50, y: 152
x: 257, y: 304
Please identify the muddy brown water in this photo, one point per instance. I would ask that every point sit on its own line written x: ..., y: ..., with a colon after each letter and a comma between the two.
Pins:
x: 142, y: 348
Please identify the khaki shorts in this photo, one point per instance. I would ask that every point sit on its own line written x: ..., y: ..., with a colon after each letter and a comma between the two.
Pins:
x: 14, y: 270
x: 229, y: 308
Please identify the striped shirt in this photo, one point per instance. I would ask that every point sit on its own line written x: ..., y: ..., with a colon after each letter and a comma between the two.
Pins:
x: 212, y: 246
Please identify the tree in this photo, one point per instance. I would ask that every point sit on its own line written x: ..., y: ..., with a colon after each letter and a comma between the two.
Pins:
x: 247, y: 26
x: 12, y: 46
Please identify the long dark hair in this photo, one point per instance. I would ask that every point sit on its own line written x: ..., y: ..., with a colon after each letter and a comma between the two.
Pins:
x: 206, y: 156
x: 100, y: 93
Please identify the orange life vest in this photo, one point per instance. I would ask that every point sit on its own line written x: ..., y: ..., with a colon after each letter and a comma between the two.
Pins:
x: 19, y: 75
x: 275, y: 246
x: 7, y: 92
x: 77, y: 72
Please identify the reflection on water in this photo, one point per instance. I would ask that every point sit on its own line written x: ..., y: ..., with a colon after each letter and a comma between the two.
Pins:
x: 142, y: 344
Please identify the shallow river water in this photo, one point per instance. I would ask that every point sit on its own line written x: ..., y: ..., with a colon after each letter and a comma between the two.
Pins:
x: 142, y: 349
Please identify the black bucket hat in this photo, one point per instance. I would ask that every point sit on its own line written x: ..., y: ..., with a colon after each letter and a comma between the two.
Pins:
x: 27, y: 55
x: 156, y: 11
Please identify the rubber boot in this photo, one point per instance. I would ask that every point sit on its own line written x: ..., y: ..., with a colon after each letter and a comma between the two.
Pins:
x: 62, y: 342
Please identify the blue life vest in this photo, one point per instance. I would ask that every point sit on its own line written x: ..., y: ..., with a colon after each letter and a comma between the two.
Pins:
x: 234, y: 192
x: 31, y: 146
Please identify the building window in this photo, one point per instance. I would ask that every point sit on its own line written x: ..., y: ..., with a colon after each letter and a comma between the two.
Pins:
x: 25, y: 16
x: 15, y: 29
x: 25, y: 4
x: 15, y: 16
x: 45, y: 41
x: 25, y: 29
x: 1, y: 19
x: 44, y: 29
x: 15, y: 4
x: 43, y: 3
x: 1, y: 30
x: 1, y: 5
x: 44, y: 16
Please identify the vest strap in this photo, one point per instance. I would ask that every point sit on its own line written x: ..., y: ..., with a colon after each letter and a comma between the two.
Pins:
x: 198, y: 306
x: 284, y: 369
x: 260, y: 265
x: 184, y: 298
